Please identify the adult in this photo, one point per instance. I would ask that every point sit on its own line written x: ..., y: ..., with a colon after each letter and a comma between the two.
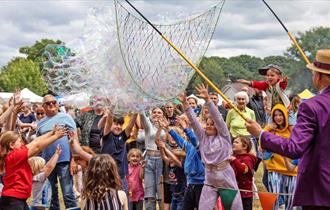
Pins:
x: 222, y: 109
x: 154, y: 167
x: 309, y: 140
x: 234, y: 121
x: 256, y: 103
x: 62, y: 169
x: 87, y: 122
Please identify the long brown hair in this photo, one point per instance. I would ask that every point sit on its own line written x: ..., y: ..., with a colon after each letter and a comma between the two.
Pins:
x: 102, y: 177
x: 6, y: 139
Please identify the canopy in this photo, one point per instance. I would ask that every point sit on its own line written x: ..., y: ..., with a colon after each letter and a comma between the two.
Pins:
x: 26, y: 94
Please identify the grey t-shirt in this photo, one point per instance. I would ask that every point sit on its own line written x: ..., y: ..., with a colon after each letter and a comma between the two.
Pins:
x: 38, y: 182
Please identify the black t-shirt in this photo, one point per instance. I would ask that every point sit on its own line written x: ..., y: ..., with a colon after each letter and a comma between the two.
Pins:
x: 177, y: 180
x: 95, y: 135
x: 172, y: 120
x: 116, y: 147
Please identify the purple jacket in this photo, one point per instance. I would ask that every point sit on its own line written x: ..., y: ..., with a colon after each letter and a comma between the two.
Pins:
x: 309, y: 141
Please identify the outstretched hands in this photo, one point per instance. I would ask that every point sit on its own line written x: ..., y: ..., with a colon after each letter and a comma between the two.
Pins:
x: 59, y: 131
x: 202, y: 92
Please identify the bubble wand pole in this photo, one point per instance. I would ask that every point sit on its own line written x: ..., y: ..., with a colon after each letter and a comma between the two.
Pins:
x: 200, y: 73
x: 290, y: 35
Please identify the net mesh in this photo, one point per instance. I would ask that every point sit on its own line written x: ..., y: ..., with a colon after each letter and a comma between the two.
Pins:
x: 149, y: 58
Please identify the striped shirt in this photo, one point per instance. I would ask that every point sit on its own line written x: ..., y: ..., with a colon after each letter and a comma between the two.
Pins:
x: 110, y: 202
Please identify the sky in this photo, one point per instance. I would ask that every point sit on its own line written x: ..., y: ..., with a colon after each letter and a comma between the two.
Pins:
x: 245, y: 26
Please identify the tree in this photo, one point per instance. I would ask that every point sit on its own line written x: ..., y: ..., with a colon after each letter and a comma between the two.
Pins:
x: 310, y: 41
x: 22, y: 73
x: 35, y: 51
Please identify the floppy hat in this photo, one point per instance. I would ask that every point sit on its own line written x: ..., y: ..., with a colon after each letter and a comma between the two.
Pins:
x: 321, y: 62
x: 263, y: 70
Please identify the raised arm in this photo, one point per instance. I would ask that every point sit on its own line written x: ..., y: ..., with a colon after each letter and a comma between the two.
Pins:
x: 108, y: 124
x: 41, y: 142
x: 76, y: 148
x: 214, y: 112
x: 145, y: 122
x: 131, y: 124
x: 50, y: 165
x: 191, y: 116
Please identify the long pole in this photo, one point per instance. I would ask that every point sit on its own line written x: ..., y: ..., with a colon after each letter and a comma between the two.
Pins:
x: 290, y: 35
x: 200, y: 73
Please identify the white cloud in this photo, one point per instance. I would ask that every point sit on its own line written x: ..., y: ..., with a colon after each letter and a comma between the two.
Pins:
x: 245, y: 26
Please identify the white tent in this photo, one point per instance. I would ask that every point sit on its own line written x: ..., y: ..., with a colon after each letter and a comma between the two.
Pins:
x: 26, y: 94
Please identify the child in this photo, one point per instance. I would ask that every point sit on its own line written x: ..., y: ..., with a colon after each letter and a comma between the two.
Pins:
x: 243, y: 163
x: 280, y: 178
x: 103, y: 185
x: 135, y: 178
x: 274, y: 87
x: 114, y: 140
x: 215, y: 148
x: 41, y: 171
x: 193, y: 166
x: 177, y: 178
x: 14, y: 162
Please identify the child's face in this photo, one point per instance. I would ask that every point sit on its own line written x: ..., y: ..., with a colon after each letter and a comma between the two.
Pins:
x: 238, y: 147
x: 210, y: 129
x: 17, y: 144
x: 116, y: 128
x: 192, y: 103
x: 278, y: 118
x: 134, y: 158
x: 272, y: 76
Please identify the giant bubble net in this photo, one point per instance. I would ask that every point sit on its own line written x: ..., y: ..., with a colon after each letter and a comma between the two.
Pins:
x: 122, y: 59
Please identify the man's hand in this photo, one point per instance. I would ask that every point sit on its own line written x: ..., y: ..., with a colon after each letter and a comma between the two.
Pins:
x: 253, y: 127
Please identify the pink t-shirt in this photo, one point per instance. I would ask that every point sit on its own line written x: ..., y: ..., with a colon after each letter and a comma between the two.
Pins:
x: 136, y: 192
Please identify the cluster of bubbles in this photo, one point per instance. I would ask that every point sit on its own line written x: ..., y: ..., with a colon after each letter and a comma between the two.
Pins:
x: 102, y: 62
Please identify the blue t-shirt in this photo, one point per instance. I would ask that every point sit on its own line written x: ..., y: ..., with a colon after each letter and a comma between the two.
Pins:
x: 47, y: 124
x: 115, y: 146
x: 27, y: 119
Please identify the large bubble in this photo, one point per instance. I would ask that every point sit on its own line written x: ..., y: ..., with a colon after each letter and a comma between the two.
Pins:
x: 120, y: 58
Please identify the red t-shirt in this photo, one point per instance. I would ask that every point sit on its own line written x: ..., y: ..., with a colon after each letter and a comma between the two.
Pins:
x: 18, y: 174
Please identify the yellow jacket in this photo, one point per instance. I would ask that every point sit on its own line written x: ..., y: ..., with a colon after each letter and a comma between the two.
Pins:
x: 276, y: 162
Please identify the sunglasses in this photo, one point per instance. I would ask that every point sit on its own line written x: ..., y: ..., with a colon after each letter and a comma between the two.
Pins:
x: 41, y: 113
x: 48, y: 103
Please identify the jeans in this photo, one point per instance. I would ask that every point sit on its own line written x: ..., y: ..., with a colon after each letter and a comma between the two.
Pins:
x: 177, y: 202
x: 152, y: 182
x: 191, y: 196
x: 62, y: 172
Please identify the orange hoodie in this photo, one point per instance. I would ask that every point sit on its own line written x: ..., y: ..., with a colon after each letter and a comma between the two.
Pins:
x: 276, y: 162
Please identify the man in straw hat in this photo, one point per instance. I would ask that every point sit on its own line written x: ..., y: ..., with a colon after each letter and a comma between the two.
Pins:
x: 309, y: 141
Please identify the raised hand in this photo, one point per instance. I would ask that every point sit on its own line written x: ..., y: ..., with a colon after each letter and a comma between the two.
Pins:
x: 202, y: 92
x: 164, y: 123
x: 182, y: 122
x: 183, y: 98
x: 59, y: 131
x: 58, y: 150
x: 160, y: 143
x: 285, y: 79
x: 17, y: 97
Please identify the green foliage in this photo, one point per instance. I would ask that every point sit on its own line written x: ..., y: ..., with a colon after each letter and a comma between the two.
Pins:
x: 35, y: 51
x: 218, y: 70
x: 22, y: 73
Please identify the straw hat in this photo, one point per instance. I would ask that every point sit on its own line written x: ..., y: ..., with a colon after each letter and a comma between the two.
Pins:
x: 321, y: 62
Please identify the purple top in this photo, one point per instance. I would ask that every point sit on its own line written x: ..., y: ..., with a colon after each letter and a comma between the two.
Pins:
x: 310, y: 141
x: 214, y: 149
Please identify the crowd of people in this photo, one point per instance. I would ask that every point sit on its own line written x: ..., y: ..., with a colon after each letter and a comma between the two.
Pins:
x: 171, y: 157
